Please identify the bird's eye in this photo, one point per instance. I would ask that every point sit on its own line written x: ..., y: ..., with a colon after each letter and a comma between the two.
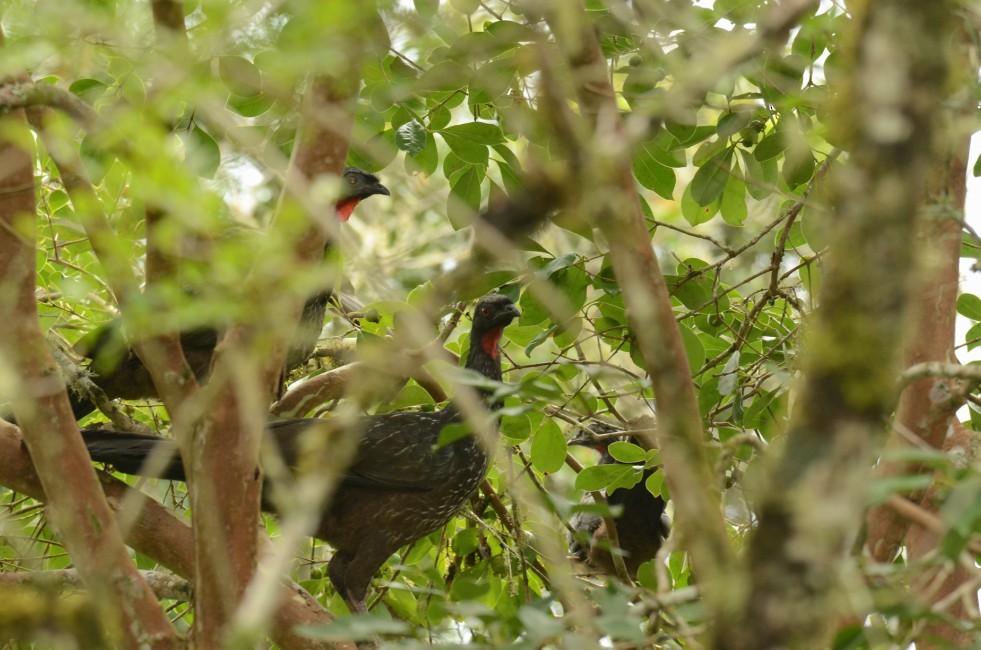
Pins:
x: 485, y: 312
x: 352, y: 180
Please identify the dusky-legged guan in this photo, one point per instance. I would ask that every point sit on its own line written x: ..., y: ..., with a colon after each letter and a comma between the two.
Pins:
x: 642, y: 525
x: 119, y: 371
x: 400, y: 485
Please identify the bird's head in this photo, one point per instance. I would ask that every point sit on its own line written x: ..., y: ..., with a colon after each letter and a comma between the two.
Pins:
x: 490, y: 316
x: 595, y: 436
x: 356, y: 186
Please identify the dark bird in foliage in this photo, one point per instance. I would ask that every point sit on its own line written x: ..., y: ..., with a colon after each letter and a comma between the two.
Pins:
x: 642, y: 525
x: 119, y: 371
x: 400, y: 485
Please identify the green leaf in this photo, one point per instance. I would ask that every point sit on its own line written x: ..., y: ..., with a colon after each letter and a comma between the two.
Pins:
x: 729, y: 376
x: 439, y: 117
x: 756, y: 183
x: 708, y: 150
x: 201, y: 153
x: 711, y: 178
x: 472, y: 152
x: 478, y: 132
x: 548, y: 448
x: 682, y: 132
x: 426, y: 8
x: 91, y: 89
x: 426, y: 161
x: 240, y: 76
x: 977, y: 167
x: 453, y: 166
x: 770, y: 147
x: 533, y: 312
x: 516, y: 428
x: 733, y: 204
x: 411, y: 137
x: 444, y: 76
x: 510, y: 31
x: 465, y: 6
x: 538, y: 340
x: 491, y: 81
x: 693, y: 346
x: 798, y: 168
x: 452, y: 432
x: 253, y: 106
x: 693, y: 213
x: 973, y: 337
x: 732, y: 123
x: 95, y: 158
x: 573, y: 283
x: 696, y: 135
x: 655, y: 484
x: 608, y: 477
x: 464, y: 199
x: 557, y: 264
x: 666, y: 150
x: 969, y: 306
x: 813, y: 225
x: 512, y: 180
x: 653, y: 175
x: 465, y: 542
x: 377, y: 153
x: 628, y: 452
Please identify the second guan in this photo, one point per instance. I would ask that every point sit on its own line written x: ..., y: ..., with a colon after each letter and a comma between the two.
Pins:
x: 119, y: 371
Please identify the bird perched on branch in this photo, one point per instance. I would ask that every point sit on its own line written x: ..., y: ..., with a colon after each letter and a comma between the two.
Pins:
x: 401, y: 485
x: 120, y: 372
x: 641, y: 526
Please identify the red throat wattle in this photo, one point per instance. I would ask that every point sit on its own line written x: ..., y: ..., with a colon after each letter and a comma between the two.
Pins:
x: 490, y: 341
x: 345, y: 208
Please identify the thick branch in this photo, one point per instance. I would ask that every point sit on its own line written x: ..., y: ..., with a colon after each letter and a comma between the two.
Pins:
x: 929, y: 349
x: 27, y: 95
x: 164, y: 585
x: 78, y: 509
x: 923, y: 540
x: 225, y: 475
x: 810, y: 513
x: 928, y: 405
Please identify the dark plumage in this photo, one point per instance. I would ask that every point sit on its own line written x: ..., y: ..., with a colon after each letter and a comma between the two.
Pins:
x: 642, y: 525
x: 399, y: 487
x: 120, y: 372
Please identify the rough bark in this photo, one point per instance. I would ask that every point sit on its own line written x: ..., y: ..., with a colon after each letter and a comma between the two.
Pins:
x: 926, y: 413
x: 78, y: 509
x: 226, y: 478
x: 949, y: 588
x: 812, y: 509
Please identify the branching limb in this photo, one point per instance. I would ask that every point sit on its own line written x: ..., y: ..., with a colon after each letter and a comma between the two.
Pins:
x: 166, y: 586
x: 157, y: 533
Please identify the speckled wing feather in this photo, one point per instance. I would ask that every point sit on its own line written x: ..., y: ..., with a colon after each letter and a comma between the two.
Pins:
x: 397, y: 451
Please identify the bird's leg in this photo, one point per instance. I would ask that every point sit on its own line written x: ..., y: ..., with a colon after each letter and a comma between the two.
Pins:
x: 337, y: 570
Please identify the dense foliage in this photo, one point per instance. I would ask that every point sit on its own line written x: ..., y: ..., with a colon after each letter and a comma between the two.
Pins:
x: 733, y: 140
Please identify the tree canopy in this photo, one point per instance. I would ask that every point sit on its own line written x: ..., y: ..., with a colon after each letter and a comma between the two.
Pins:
x: 732, y: 229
